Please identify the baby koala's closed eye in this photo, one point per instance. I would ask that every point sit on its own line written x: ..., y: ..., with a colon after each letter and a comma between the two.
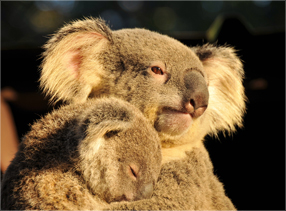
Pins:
x: 84, y: 156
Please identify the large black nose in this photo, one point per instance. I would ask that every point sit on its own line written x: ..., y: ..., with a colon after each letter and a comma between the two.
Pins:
x: 196, y: 94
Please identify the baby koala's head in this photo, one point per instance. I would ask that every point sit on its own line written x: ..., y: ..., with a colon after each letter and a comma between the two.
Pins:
x: 120, y: 153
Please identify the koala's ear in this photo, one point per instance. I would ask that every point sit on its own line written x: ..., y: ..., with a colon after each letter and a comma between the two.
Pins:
x: 225, y: 75
x: 108, y: 128
x: 69, y: 60
x: 95, y: 135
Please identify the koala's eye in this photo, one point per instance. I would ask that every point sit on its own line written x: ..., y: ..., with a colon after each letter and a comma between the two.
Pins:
x: 157, y: 70
x: 111, y: 133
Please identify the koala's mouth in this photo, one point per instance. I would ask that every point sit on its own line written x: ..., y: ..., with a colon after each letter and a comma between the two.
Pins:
x: 173, y: 122
x: 175, y: 111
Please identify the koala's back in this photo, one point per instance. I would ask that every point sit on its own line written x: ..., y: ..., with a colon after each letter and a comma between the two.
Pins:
x: 45, y: 173
x: 42, y: 164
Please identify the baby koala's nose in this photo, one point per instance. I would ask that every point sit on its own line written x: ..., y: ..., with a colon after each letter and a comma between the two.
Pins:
x: 146, y: 191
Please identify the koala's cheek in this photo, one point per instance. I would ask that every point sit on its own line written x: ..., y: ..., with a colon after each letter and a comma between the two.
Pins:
x: 173, y: 123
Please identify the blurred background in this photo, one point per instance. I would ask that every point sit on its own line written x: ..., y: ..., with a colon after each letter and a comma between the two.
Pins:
x: 250, y: 163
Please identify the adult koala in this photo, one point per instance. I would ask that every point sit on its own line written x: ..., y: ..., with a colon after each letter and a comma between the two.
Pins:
x: 185, y: 93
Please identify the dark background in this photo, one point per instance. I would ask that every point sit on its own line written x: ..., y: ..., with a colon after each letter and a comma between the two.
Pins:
x: 250, y: 163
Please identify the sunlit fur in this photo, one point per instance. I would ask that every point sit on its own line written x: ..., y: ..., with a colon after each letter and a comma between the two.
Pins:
x: 227, y: 99
x: 69, y: 162
x: 67, y: 50
x: 85, y: 59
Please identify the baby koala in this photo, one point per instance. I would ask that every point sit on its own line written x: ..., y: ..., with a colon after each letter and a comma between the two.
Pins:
x: 84, y: 156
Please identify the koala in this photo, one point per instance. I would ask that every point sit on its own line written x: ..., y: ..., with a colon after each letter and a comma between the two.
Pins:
x: 185, y: 93
x: 184, y: 184
x: 84, y: 156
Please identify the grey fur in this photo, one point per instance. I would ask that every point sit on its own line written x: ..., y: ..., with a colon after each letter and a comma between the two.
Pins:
x: 117, y: 63
x: 80, y: 157
x: 94, y: 61
x: 187, y: 184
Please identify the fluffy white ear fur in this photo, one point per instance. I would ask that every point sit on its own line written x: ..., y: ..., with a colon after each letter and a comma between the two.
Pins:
x: 65, y: 60
x: 227, y: 99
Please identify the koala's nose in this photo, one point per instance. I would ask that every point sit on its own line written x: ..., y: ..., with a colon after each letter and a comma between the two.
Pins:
x: 197, y: 105
x: 146, y: 191
x: 196, y: 96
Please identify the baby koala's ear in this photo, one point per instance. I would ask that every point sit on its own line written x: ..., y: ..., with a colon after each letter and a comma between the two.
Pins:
x: 107, y: 128
x: 95, y: 135
x: 225, y: 83
x: 68, y: 71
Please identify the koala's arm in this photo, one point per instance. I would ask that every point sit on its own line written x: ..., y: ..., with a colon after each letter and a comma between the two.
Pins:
x: 52, y: 190
x: 187, y: 184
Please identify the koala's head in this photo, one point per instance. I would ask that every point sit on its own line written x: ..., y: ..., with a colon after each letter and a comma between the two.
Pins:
x: 120, y: 154
x: 179, y: 89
